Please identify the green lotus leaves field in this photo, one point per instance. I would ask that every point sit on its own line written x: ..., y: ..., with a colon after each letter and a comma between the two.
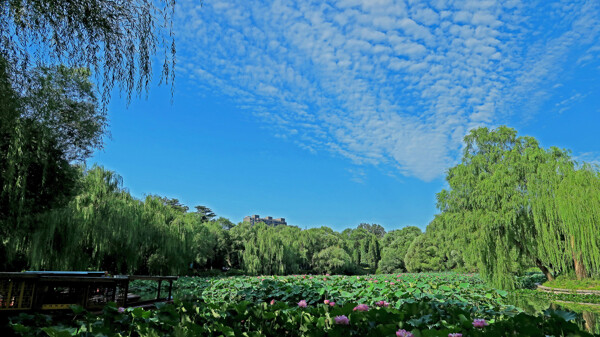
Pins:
x: 442, y: 304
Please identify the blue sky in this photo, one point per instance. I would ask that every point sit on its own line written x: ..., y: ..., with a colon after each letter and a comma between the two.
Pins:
x: 337, y: 113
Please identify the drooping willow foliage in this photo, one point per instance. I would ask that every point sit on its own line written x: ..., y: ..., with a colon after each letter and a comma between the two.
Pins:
x: 104, y: 228
x: 43, y: 129
x: 440, y: 249
x: 272, y: 250
x: 566, y: 207
x: 518, y: 205
x: 117, y: 40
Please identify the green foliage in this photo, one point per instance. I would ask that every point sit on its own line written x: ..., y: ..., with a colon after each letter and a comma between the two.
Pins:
x: 251, y: 319
x: 571, y: 282
x: 426, y: 305
x: 104, y: 228
x: 566, y: 208
x: 313, y: 241
x: 544, y: 298
x: 271, y: 250
x: 333, y: 260
x: 395, y: 246
x: 44, y: 128
x: 343, y: 289
x: 174, y: 204
x: 530, y: 280
x: 64, y: 100
x: 363, y: 246
x: 205, y: 213
x: 423, y: 255
x: 517, y: 204
x: 374, y: 229
x: 117, y: 40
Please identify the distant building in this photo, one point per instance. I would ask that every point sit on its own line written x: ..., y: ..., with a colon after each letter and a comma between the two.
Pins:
x: 254, y: 219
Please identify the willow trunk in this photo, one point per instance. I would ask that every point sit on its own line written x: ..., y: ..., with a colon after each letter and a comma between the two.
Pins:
x: 544, y: 270
x: 580, y: 271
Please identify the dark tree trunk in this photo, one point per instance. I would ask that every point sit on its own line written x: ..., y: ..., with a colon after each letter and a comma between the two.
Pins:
x: 544, y: 270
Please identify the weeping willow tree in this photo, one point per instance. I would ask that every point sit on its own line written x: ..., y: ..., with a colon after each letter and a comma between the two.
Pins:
x: 489, y: 197
x: 395, y: 245
x: 104, y: 228
x: 35, y: 170
x: 271, y: 250
x: 566, y: 206
x: 118, y: 40
x: 363, y: 247
x: 524, y: 205
x: 333, y: 260
x: 312, y: 241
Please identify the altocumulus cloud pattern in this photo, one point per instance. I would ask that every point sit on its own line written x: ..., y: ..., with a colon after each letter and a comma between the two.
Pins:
x: 384, y: 82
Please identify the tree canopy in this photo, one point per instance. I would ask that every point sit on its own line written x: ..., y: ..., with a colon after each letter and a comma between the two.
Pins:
x: 518, y: 204
x: 395, y: 247
x: 44, y: 129
x: 117, y: 40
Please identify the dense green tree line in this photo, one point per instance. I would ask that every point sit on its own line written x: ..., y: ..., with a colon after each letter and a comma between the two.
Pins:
x: 104, y: 228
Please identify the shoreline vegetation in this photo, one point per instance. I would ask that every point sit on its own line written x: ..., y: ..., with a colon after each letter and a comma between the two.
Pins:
x: 422, y: 304
x: 572, y: 283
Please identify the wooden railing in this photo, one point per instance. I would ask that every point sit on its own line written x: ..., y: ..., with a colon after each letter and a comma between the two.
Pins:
x: 60, y: 290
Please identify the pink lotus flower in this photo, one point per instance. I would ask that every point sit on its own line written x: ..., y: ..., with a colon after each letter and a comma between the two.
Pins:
x: 343, y: 320
x: 121, y: 310
x: 332, y: 304
x: 302, y: 304
x: 326, y: 301
x: 272, y: 301
x: 392, y: 283
x: 361, y: 307
x: 382, y: 304
x: 480, y: 323
x: 404, y: 333
x: 456, y: 334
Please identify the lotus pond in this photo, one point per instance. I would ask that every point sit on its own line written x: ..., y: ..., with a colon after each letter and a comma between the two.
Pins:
x: 426, y: 304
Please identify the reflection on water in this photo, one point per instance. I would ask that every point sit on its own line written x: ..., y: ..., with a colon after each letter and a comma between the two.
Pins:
x: 588, y: 317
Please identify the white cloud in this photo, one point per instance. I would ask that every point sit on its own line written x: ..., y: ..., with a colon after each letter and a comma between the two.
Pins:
x: 358, y: 175
x: 567, y: 103
x: 592, y: 158
x: 382, y: 82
